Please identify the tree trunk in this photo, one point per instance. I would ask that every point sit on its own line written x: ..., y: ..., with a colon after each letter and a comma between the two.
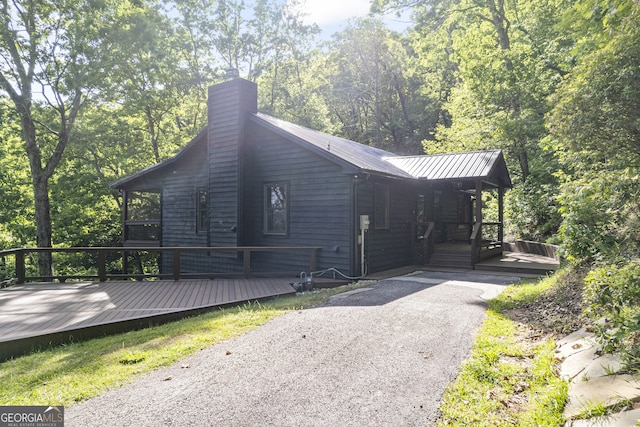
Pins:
x: 43, y: 224
x: 40, y: 179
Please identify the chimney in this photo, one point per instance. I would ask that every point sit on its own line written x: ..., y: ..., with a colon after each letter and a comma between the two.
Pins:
x: 232, y: 73
x: 229, y: 104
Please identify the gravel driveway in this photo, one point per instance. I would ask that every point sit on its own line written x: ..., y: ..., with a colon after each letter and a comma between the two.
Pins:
x: 378, y: 356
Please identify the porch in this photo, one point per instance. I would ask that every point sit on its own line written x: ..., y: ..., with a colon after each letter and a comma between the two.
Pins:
x: 534, y: 259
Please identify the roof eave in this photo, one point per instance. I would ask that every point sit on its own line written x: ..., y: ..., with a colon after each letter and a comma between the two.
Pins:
x: 157, y: 168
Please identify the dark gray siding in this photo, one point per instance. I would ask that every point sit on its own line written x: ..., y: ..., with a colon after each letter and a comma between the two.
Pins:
x: 319, y: 203
x: 392, y: 247
x: 179, y: 212
x: 228, y: 103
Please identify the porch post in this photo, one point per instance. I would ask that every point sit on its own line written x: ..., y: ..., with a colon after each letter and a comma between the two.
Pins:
x: 125, y: 233
x: 501, y: 215
x: 478, y: 200
x: 125, y: 214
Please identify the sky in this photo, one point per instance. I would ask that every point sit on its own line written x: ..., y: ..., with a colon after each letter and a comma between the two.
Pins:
x: 332, y: 15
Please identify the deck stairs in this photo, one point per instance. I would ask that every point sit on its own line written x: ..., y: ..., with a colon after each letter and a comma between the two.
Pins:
x: 451, y: 257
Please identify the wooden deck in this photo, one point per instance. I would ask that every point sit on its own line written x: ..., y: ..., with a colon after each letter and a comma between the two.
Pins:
x: 518, y: 263
x: 39, y: 314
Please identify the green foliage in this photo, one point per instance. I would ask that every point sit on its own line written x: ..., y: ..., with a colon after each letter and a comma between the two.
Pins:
x: 553, y: 84
x: 613, y: 292
x: 594, y: 130
x: 371, y: 94
x: 16, y: 196
x: 600, y: 215
x: 507, y: 380
x: 595, y: 119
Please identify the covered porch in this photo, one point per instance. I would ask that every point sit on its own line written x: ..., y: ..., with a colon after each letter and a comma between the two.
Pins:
x: 460, y: 208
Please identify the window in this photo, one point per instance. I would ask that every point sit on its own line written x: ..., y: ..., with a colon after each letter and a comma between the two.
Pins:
x: 202, y: 210
x: 275, y: 209
x: 381, y: 201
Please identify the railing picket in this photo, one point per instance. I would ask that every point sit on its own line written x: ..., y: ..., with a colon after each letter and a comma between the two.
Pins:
x: 246, y: 263
x: 20, y: 269
x: 176, y: 264
x: 102, y: 267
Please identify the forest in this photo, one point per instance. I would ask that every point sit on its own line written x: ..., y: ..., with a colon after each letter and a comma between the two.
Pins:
x: 94, y: 90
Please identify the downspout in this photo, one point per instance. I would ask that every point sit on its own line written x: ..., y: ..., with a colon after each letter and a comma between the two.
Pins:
x: 353, y: 231
x: 355, y: 227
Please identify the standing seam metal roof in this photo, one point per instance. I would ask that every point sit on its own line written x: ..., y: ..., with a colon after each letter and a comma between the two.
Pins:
x: 476, y: 164
x: 362, y: 156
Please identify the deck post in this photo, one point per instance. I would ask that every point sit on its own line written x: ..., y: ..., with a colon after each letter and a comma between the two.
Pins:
x: 246, y: 262
x: 478, y: 200
x: 176, y: 264
x: 125, y: 232
x: 102, y: 268
x: 312, y: 259
x: 501, y: 216
x: 20, y: 270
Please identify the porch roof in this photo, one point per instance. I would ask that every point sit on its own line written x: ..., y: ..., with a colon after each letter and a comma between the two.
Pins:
x: 486, y: 165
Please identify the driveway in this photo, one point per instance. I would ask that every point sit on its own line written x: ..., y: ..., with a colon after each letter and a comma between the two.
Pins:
x: 378, y: 356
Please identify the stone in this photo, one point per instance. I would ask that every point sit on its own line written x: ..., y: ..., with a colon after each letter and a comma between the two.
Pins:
x: 606, y: 391
x: 621, y: 419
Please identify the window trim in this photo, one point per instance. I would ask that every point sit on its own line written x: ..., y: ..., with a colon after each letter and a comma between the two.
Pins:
x: 381, y: 195
x: 202, y: 228
x: 268, y: 211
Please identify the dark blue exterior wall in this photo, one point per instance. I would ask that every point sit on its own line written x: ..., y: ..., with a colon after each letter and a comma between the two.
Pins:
x: 391, y: 247
x: 320, y: 202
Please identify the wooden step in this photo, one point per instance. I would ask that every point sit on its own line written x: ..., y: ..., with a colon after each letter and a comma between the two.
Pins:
x: 450, y: 258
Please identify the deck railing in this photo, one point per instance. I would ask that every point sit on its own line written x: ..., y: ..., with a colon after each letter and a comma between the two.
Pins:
x: 486, y: 240
x: 424, y: 237
x: 16, y: 272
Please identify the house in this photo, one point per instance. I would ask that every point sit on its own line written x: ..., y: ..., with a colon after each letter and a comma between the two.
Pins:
x: 252, y: 180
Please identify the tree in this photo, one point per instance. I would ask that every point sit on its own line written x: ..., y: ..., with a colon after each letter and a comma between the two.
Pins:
x: 16, y: 199
x: 372, y: 96
x: 595, y: 131
x: 46, y: 45
x: 499, y: 61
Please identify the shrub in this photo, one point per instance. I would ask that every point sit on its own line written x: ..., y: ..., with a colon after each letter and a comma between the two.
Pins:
x: 613, y: 292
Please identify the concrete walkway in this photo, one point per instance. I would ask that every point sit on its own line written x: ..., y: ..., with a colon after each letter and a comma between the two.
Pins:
x: 379, y: 356
x: 594, y: 382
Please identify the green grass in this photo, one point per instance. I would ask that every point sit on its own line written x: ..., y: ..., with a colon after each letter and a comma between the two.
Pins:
x: 78, y: 371
x: 507, y: 380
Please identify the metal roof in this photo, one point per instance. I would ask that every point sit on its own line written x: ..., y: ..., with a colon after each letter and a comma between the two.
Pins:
x: 142, y: 180
x: 476, y: 164
x: 362, y: 156
x: 487, y: 165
